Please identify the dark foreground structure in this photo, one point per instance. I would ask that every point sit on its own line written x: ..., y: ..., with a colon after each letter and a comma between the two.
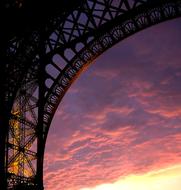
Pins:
x: 44, y: 46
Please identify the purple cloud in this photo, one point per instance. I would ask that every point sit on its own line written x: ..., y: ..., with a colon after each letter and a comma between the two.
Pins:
x: 122, y: 116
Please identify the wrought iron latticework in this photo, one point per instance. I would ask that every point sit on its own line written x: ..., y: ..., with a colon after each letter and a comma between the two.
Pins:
x: 41, y: 54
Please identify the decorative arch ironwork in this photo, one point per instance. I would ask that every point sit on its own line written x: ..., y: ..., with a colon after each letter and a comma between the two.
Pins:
x: 139, y: 15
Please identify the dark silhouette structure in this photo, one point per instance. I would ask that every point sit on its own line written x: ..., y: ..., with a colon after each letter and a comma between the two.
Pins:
x: 44, y: 46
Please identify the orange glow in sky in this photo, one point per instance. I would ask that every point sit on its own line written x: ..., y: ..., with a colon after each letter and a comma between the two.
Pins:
x: 165, y: 179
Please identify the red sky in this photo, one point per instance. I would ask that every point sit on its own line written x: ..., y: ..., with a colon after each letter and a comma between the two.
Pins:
x: 122, y: 117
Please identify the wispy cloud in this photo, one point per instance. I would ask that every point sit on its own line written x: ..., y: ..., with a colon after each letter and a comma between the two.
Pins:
x: 122, y: 117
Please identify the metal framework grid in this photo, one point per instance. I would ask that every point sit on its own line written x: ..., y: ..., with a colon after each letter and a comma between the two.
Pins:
x: 39, y: 66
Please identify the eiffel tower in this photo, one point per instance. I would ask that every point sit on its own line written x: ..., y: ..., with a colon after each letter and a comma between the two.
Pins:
x: 44, y: 46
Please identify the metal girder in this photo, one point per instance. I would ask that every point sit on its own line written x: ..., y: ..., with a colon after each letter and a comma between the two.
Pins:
x: 107, y: 23
x: 43, y: 61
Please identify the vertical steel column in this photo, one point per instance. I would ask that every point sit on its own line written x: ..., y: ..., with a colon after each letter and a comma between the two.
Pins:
x: 41, y: 103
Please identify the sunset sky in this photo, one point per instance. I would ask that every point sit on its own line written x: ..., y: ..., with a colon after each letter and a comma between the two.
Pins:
x: 119, y: 125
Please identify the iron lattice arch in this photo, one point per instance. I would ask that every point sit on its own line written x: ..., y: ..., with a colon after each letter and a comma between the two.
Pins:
x: 42, y: 63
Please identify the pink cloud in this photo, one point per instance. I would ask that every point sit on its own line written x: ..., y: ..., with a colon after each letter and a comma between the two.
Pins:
x: 137, y: 159
x: 124, y: 118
